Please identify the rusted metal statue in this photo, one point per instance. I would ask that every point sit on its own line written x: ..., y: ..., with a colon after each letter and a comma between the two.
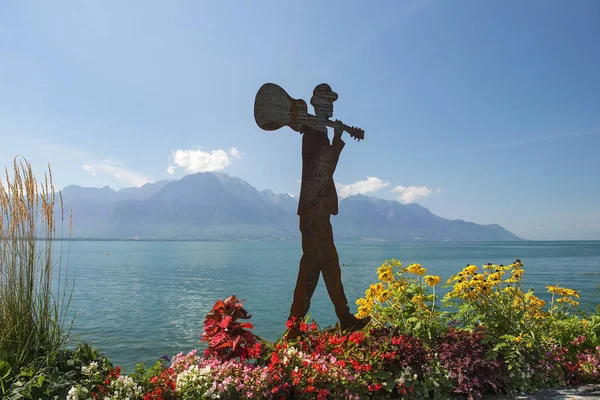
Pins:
x: 273, y: 109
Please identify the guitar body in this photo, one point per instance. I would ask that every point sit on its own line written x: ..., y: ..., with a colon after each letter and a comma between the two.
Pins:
x: 274, y: 108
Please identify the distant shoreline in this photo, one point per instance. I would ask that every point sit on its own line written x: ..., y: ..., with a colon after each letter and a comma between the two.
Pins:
x: 362, y: 240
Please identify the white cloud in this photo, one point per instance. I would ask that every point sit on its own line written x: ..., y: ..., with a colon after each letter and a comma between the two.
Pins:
x: 89, y: 169
x: 235, y: 153
x: 196, y: 160
x: 118, y: 171
x: 412, y: 194
x: 372, y: 184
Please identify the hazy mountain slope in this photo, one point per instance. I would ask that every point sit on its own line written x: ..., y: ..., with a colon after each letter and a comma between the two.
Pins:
x: 218, y: 206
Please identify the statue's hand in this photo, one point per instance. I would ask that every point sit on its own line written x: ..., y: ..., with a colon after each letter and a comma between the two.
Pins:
x: 338, y: 129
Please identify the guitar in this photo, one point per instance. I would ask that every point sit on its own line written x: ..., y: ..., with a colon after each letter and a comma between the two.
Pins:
x: 274, y: 108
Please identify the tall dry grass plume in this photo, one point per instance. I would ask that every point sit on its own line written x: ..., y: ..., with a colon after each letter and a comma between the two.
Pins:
x: 33, y: 303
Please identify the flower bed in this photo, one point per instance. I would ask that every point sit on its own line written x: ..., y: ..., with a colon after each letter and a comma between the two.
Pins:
x: 487, y: 335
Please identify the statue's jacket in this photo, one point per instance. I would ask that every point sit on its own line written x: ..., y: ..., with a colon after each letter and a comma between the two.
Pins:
x: 319, y: 160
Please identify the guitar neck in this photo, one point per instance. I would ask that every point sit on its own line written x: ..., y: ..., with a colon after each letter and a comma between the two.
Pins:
x: 353, y: 131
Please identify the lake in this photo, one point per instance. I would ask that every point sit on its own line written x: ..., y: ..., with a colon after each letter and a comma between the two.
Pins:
x: 145, y: 299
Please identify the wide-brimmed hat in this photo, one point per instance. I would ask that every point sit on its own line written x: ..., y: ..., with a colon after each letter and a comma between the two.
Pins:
x: 323, y: 91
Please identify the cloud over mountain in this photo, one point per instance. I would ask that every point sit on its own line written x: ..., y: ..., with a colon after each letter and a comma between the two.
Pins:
x: 197, y: 160
x: 412, y: 194
x: 371, y: 184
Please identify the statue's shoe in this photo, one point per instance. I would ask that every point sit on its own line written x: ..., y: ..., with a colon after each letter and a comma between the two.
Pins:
x: 351, y: 323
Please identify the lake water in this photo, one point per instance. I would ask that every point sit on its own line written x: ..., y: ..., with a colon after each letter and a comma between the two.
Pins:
x: 146, y: 299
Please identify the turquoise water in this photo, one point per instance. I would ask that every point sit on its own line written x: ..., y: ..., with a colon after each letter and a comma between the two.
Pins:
x: 146, y: 299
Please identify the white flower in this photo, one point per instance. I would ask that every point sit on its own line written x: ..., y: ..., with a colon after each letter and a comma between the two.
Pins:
x: 72, y: 395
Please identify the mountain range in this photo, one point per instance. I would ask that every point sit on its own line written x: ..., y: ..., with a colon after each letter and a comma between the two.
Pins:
x: 216, y: 206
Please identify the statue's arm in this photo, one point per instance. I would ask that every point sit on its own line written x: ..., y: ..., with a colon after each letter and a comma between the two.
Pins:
x: 337, y: 145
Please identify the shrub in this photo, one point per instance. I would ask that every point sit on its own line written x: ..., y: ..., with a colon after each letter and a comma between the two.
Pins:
x: 463, y: 354
x: 402, y: 299
x: 227, y: 338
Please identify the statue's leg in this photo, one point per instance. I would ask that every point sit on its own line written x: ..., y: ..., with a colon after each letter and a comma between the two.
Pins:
x: 308, y: 275
x: 308, y: 278
x: 332, y: 274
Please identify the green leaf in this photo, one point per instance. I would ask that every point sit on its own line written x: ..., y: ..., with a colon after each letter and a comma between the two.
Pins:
x: 383, y: 375
x: 4, y: 370
x: 412, y: 319
x: 390, y: 382
x: 499, y: 346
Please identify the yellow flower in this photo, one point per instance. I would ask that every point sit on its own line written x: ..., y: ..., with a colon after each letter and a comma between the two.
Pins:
x: 585, y: 323
x: 552, y: 289
x: 374, y: 290
x: 399, y: 286
x: 418, y: 299
x: 414, y: 268
x: 386, y: 275
x: 519, y: 338
x: 432, y: 280
x: 517, y: 272
x: 496, y: 276
x: 536, y: 302
x: 567, y: 300
x: 569, y: 293
x: 384, y: 296
x: 517, y: 302
x: 395, y: 262
x: 470, y: 269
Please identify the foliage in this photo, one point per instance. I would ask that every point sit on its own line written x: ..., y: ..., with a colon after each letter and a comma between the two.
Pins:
x: 83, y: 367
x: 463, y: 354
x: 227, y: 338
x: 486, y: 336
x: 402, y: 299
x: 33, y: 313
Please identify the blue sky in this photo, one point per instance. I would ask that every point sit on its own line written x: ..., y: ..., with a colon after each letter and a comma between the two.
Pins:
x: 483, y: 111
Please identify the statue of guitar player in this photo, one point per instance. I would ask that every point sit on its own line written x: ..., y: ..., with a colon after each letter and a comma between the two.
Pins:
x: 318, y: 197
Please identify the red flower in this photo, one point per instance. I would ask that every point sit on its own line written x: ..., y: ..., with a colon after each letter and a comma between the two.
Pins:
x: 375, y: 387
x: 357, y: 337
x: 397, y: 340
x: 303, y: 327
x: 290, y: 323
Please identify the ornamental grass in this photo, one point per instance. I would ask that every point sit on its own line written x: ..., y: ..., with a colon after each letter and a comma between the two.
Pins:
x: 33, y: 306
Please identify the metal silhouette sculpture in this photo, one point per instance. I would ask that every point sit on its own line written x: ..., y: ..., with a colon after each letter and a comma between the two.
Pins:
x: 273, y: 109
